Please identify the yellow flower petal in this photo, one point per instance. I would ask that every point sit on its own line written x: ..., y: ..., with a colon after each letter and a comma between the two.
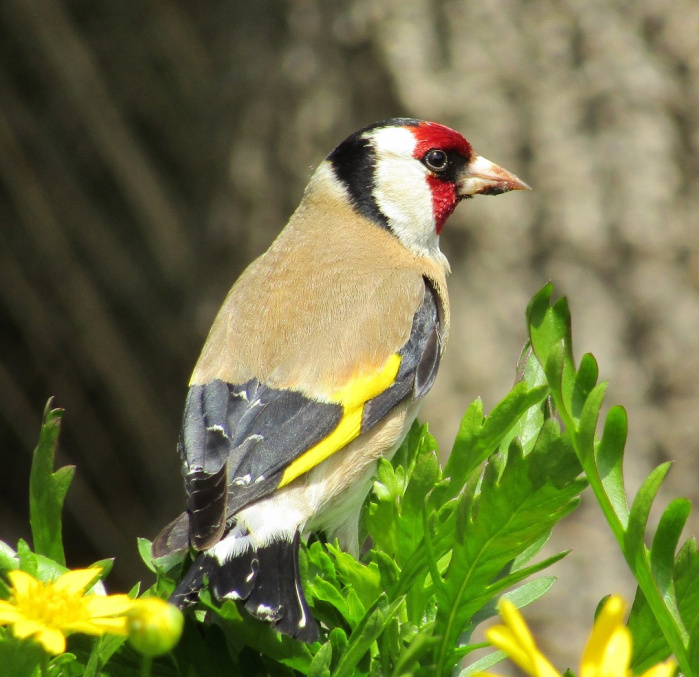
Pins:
x: 544, y: 667
x: 22, y: 582
x: 115, y: 626
x: 516, y: 640
x: 98, y: 626
x: 503, y: 638
x: 108, y: 605
x: 607, y: 652
x: 75, y: 582
x: 666, y: 669
x: 609, y: 620
x: 52, y: 640
x: 514, y: 620
x: 617, y: 655
x: 25, y: 628
x: 8, y: 612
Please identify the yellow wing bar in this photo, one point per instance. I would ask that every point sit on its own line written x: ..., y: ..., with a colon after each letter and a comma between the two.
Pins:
x: 352, y: 397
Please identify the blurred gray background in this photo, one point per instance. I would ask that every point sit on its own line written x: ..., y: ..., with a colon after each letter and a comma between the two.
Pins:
x: 149, y: 150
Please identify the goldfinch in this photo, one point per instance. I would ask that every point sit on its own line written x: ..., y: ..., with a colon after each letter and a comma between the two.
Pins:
x: 317, y: 363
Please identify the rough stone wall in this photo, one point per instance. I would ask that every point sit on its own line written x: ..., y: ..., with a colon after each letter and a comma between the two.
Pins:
x: 149, y: 150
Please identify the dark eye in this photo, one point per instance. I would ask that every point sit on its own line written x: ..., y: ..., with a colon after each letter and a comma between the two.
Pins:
x: 436, y: 159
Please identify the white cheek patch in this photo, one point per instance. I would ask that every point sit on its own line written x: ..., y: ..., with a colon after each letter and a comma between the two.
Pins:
x: 401, y: 190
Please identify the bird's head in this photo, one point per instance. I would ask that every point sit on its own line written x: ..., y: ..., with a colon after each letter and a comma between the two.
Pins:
x: 408, y: 176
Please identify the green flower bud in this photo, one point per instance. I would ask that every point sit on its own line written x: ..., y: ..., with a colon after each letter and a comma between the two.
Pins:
x: 154, y: 626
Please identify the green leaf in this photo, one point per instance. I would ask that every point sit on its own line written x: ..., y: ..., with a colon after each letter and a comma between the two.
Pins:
x: 530, y: 591
x: 662, y: 553
x: 320, y: 665
x: 640, y: 510
x: 388, y: 571
x: 609, y: 456
x: 43, y: 568
x: 693, y: 652
x: 466, y: 440
x: 93, y: 667
x: 587, y: 423
x: 484, y: 663
x: 382, y: 513
x: 393, y: 514
x: 259, y: 635
x: 516, y: 509
x: 364, y: 579
x: 8, y: 558
x: 425, y: 475
x: 530, y: 552
x: 365, y: 634
x: 578, y: 404
x: 65, y: 665
x: 144, y: 550
x: 527, y: 427
x: 324, y: 594
x: 19, y: 658
x: 28, y: 561
x: 478, y: 437
x: 106, y: 565
x: 686, y: 580
x: 549, y: 332
x: 521, y: 596
x: 585, y: 380
x: 338, y: 639
x: 418, y: 648
x: 47, y: 489
x: 649, y: 644
x: 507, y: 581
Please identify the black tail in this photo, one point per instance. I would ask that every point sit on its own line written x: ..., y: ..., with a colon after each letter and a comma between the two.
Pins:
x: 267, y: 580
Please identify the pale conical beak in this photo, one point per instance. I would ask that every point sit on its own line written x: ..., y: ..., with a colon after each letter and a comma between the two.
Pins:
x: 483, y: 177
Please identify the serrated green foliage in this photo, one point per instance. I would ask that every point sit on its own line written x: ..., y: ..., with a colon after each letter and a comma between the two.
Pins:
x: 650, y: 645
x: 517, y: 506
x: 364, y: 635
x: 443, y: 544
x: 658, y: 621
x: 479, y: 436
x: 47, y: 489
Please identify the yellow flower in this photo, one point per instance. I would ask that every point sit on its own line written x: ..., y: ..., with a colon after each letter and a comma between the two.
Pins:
x: 607, y: 652
x: 48, y: 612
x: 515, y: 639
x: 154, y: 626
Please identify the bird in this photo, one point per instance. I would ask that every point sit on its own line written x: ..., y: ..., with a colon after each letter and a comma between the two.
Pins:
x: 317, y: 363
